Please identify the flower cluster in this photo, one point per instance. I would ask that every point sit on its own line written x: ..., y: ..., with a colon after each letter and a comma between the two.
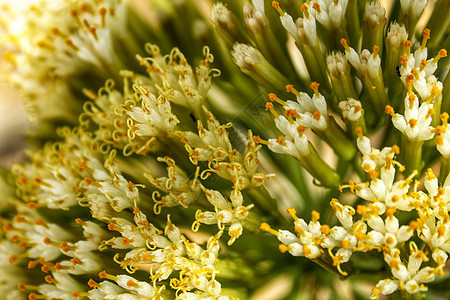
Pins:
x: 156, y: 169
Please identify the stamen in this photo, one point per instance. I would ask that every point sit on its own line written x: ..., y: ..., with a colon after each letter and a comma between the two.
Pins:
x: 93, y: 284
x: 408, y: 47
x: 41, y: 222
x: 269, y: 106
x: 266, y: 227
x: 77, y: 294
x: 444, y: 118
x: 315, y: 216
x: 289, y: 113
x: 276, y: 5
x: 103, y: 274
x: 281, y: 141
x: 412, y: 123
x: 290, y: 88
x: 423, y: 64
x: 441, y: 53
x: 273, y: 97
x: 404, y: 60
x: 292, y: 213
x: 317, y: 115
x: 300, y: 130
x: 344, y: 43
x: 426, y: 37
x: 304, y: 9
x: 71, y: 45
x: 316, y: 6
x: 23, y: 286
x: 102, y: 11
x: 376, y: 49
x: 283, y: 248
x: 390, y: 111
x: 259, y: 140
x: 359, y: 131
x: 315, y: 87
x: 415, y: 73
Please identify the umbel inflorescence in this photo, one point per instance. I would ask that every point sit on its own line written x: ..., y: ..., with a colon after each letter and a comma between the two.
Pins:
x: 160, y: 172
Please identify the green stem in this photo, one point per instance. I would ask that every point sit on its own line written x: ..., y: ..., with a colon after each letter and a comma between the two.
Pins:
x: 319, y: 169
x: 353, y: 23
x: 412, y: 155
x: 338, y: 140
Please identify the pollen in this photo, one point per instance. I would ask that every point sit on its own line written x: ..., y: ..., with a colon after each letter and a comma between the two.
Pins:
x: 283, y: 248
x: 376, y: 50
x: 325, y: 229
x: 272, y: 97
x: 281, y: 141
x: 412, y: 123
x: 345, y: 244
x: 316, y: 6
x: 290, y: 113
x: 435, y: 91
x: 389, y: 110
x: 276, y: 5
x: 266, y: 227
x: 317, y: 115
x: 361, y: 209
x: 344, y: 43
x: 315, y: 216
x: 304, y: 9
x: 394, y: 264
x: 403, y: 60
x: 391, y: 210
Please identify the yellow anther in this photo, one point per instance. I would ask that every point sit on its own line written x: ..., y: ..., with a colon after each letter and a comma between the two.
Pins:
x: 389, y: 110
x: 266, y: 227
x: 273, y: 97
x: 259, y: 140
x: 442, y: 53
x: 269, y: 106
x: 435, y: 91
x: 316, y: 6
x: 103, y: 274
x: 359, y: 132
x: 325, y: 229
x: 306, y: 250
x: 404, y: 60
x: 391, y: 211
x: 345, y: 244
x: 373, y: 174
x: 376, y: 50
x: 426, y: 37
x: 283, y: 248
x: 444, y: 117
x: 290, y: 89
x: 281, y: 141
x: 317, y: 115
x: 412, y: 123
x: 408, y: 47
x: 394, y: 264
x: 304, y: 9
x: 315, y: 87
x: 276, y: 5
x: 315, y: 216
x: 344, y: 43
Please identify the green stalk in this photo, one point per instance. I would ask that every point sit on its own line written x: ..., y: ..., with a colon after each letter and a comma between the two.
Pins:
x: 412, y: 155
x: 319, y: 169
